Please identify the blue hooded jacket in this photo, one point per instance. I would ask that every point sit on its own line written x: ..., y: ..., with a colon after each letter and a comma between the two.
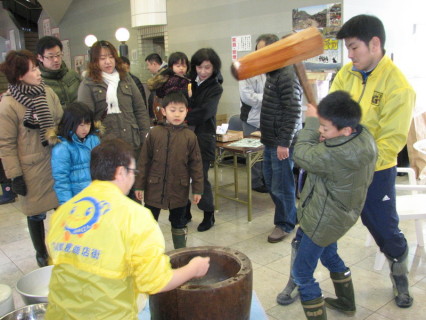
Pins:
x: 71, y: 165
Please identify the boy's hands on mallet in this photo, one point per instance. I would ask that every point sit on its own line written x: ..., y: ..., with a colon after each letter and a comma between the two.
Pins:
x: 311, y: 111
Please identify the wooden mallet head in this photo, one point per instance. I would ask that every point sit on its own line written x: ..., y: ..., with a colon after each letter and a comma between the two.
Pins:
x: 291, y: 50
x: 295, y: 48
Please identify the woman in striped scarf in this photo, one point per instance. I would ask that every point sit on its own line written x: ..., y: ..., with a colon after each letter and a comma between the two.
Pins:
x: 27, y: 110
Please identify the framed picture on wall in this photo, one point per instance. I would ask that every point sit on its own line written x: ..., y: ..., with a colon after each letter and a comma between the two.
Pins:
x: 67, y: 52
x: 46, y: 27
x: 79, y: 64
x: 328, y: 19
x: 12, y: 39
x: 55, y: 33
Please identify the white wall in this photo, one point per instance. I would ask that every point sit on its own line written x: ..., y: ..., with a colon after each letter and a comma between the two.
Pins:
x: 408, y: 48
x: 194, y: 24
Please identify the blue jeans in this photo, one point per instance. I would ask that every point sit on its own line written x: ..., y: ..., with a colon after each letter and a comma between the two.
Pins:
x: 306, y: 262
x: 279, y: 180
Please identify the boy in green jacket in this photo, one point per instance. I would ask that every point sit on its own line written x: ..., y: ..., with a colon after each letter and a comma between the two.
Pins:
x: 339, y: 155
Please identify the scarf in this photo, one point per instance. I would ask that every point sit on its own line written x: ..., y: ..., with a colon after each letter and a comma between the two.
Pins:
x: 54, y: 74
x: 37, y: 115
x: 112, y: 81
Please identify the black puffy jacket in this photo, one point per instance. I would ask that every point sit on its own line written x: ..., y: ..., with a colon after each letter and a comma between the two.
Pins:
x: 281, y: 115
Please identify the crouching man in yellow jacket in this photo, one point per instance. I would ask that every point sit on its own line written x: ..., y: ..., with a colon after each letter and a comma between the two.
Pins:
x: 106, y: 248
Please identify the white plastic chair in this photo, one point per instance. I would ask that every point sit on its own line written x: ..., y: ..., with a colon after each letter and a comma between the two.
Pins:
x: 409, y: 207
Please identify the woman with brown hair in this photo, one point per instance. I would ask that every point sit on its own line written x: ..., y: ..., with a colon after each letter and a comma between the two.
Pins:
x: 114, y: 97
x: 27, y: 111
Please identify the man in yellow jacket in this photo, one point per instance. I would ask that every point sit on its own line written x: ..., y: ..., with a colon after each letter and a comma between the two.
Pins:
x: 387, y: 102
x: 106, y: 248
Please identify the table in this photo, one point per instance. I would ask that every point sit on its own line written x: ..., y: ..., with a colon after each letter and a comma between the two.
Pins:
x: 252, y: 155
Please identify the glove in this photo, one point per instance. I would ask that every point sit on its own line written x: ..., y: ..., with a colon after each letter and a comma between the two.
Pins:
x: 19, y: 186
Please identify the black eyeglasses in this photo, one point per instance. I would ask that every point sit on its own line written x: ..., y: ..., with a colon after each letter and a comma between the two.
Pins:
x: 135, y: 171
x: 53, y: 57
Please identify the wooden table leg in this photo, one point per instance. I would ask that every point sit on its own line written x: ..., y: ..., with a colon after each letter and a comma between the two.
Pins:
x: 249, y: 191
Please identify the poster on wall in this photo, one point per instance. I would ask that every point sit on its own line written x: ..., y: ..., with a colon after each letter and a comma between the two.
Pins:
x: 134, y: 54
x: 239, y: 44
x: 79, y: 64
x: 328, y: 19
x: 46, y: 27
x: 55, y: 33
x: 12, y: 39
x: 67, y: 52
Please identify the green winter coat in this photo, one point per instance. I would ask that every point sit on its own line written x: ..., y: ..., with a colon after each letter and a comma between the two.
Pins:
x: 64, y: 82
x: 340, y: 171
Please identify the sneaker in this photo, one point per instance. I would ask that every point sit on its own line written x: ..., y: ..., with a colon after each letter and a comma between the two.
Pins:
x: 261, y: 189
x: 277, y: 235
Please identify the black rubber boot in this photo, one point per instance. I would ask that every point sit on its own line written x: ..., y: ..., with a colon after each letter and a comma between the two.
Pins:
x: 290, y: 292
x: 8, y: 195
x: 179, y: 237
x: 36, y: 229
x: 208, y: 221
x: 398, y: 275
x: 344, y: 289
x: 315, y: 309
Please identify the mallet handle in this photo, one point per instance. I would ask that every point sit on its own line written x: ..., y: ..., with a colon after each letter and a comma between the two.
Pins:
x: 307, y: 89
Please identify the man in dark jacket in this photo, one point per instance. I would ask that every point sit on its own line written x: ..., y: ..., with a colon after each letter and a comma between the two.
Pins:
x: 126, y: 64
x: 55, y: 73
x: 280, y: 120
x: 155, y: 65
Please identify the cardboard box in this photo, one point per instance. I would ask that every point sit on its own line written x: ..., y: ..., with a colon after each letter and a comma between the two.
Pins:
x: 230, y: 135
x: 221, y: 119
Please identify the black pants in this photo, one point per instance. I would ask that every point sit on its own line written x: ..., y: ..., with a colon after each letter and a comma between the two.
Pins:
x: 176, y: 216
x: 207, y: 202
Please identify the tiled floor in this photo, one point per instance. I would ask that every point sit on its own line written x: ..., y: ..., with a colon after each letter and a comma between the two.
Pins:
x: 373, y: 289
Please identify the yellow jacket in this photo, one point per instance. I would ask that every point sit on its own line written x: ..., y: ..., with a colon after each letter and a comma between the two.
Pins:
x: 106, y: 250
x: 387, y: 101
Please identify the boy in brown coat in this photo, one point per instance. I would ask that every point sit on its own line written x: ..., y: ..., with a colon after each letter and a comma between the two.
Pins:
x: 170, y: 159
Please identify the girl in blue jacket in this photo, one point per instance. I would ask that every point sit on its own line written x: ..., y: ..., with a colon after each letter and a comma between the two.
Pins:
x: 76, y: 137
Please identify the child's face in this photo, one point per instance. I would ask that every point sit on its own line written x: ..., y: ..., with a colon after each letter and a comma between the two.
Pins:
x: 328, y: 130
x: 175, y: 113
x: 204, y: 70
x: 83, y: 130
x: 180, y: 68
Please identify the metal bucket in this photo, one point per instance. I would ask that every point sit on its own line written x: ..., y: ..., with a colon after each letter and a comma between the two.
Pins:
x: 223, y: 293
x: 32, y: 312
